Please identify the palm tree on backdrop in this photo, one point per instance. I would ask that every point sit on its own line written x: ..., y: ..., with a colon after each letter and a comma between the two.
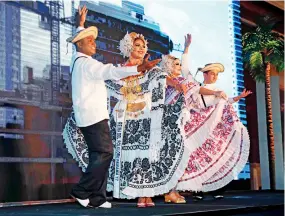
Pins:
x: 263, y: 48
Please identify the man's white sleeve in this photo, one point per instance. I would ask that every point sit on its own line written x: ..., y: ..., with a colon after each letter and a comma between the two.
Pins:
x: 99, y: 71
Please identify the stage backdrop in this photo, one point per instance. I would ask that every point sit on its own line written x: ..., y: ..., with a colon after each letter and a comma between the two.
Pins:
x: 34, y: 74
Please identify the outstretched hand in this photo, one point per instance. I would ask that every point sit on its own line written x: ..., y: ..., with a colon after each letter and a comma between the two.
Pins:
x: 82, y: 15
x: 245, y: 93
x: 147, y: 65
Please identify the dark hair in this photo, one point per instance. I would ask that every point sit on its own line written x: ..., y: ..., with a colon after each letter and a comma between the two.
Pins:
x: 200, y: 69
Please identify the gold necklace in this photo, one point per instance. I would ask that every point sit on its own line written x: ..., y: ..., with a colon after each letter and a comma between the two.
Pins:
x: 132, y: 88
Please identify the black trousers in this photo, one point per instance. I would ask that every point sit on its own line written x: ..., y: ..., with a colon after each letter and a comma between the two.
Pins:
x: 93, y: 182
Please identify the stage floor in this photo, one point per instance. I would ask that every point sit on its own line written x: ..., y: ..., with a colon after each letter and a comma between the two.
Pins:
x: 234, y: 203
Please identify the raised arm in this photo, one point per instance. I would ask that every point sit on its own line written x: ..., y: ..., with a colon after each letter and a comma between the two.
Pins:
x: 184, y: 59
x: 99, y: 71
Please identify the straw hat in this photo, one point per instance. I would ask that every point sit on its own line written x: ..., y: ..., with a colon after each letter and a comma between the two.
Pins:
x: 83, y: 33
x: 215, y: 67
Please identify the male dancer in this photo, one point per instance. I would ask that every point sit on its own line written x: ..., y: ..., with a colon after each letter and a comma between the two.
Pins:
x: 89, y: 97
x: 210, y: 73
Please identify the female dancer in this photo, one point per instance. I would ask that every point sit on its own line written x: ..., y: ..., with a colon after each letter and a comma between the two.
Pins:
x: 149, y: 156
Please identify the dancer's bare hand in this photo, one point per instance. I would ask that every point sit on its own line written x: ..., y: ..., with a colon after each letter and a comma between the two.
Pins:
x: 188, y: 40
x: 82, y: 15
x: 174, y: 84
x: 245, y: 93
x: 180, y: 88
x: 147, y: 65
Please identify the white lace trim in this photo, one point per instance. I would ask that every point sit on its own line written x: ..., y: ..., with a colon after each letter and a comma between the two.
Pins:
x: 165, y: 188
x: 238, y: 166
x: 70, y: 147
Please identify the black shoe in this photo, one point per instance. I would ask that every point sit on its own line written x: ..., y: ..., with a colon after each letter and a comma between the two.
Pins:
x: 219, y: 196
x: 198, y: 195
